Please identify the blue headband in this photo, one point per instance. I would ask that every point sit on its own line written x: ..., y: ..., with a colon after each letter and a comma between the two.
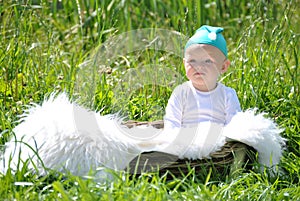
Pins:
x: 209, y: 35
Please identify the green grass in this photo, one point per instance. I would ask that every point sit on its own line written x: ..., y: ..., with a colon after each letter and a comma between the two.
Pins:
x: 44, y: 44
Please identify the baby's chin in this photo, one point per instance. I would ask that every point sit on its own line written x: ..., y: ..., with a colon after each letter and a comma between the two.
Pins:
x: 202, y: 85
x: 199, y: 78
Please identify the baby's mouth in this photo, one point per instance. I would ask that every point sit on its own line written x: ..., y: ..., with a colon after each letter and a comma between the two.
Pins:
x: 199, y: 73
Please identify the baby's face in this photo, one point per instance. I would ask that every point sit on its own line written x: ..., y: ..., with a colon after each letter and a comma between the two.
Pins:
x: 203, y: 65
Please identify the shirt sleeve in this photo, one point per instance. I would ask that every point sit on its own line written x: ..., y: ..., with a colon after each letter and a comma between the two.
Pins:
x: 173, y: 115
x: 232, y: 105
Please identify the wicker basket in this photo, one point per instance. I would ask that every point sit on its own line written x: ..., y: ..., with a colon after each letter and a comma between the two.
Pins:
x: 233, y: 155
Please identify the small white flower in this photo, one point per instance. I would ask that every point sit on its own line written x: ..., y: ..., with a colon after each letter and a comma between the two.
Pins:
x: 21, y: 183
x: 212, y: 36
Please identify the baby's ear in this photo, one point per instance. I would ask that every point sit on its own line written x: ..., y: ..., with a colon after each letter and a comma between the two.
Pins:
x: 225, y: 66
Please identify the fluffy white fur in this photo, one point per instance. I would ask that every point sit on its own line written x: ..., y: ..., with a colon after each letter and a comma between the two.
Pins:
x: 259, y: 132
x: 69, y: 137
x: 64, y: 136
x: 192, y: 142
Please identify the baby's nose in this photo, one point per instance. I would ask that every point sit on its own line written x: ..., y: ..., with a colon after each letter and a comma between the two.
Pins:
x: 197, y: 67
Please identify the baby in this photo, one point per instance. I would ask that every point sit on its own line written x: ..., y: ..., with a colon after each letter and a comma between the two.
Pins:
x: 203, y: 98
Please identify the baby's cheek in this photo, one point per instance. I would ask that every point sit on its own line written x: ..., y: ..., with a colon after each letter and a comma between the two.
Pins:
x: 189, y: 71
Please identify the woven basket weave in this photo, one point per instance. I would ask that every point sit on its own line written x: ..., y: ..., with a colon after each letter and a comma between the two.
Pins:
x: 232, y: 156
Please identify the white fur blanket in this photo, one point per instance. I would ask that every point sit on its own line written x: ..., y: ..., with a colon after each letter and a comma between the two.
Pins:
x: 64, y: 136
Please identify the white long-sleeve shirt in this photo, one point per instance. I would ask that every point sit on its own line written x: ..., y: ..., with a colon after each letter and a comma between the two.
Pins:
x: 188, y: 106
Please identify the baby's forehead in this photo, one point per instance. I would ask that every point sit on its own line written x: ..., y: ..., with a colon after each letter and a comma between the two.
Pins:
x: 203, y: 50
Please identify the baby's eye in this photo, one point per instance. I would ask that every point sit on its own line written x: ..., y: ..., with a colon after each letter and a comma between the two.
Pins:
x: 192, y: 61
x: 208, y: 61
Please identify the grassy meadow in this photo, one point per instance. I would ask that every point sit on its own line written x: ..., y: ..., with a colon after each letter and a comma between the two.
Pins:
x: 45, y: 44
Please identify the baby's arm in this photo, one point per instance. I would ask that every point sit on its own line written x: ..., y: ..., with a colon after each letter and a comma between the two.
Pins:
x: 232, y: 105
x: 173, y: 116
